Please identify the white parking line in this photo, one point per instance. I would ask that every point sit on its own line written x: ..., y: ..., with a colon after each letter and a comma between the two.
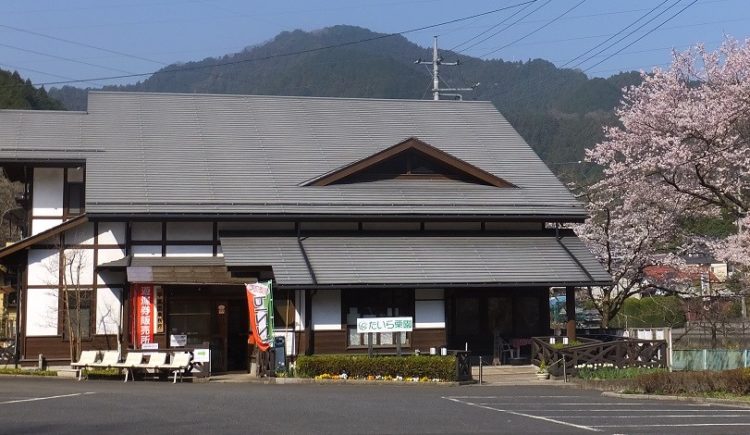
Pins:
x: 566, y: 404
x: 548, y: 410
x: 672, y: 425
x: 535, y: 417
x: 609, y: 417
x: 35, y: 399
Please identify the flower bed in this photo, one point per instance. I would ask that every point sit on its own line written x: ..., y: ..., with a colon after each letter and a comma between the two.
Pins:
x: 405, y: 368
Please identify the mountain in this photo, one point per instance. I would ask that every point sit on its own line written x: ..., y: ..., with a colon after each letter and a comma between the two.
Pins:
x: 560, y: 112
x: 15, y: 93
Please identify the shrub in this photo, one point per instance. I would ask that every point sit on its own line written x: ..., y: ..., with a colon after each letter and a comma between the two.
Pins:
x: 14, y: 371
x: 102, y: 372
x: 607, y: 373
x: 362, y: 366
x: 735, y: 382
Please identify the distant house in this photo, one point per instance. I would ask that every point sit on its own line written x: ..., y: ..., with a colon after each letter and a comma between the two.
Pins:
x: 354, y: 208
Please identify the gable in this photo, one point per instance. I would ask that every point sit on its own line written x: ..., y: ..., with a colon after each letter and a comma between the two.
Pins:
x: 409, y: 159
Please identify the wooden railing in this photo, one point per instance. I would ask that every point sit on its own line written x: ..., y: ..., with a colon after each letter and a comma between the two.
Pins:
x: 622, y: 352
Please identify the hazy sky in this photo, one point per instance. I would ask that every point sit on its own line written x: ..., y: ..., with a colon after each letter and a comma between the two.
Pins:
x: 48, y: 41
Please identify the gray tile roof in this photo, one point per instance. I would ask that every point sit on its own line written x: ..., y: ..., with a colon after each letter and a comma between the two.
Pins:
x: 356, y: 260
x: 236, y: 154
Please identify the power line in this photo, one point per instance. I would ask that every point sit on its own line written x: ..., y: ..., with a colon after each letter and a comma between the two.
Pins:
x: 281, y: 55
x: 82, y: 44
x: 465, y: 49
x: 491, y: 28
x: 614, y: 35
x: 13, y: 67
x: 643, y: 36
x: 67, y: 59
x: 536, y: 30
x: 628, y: 35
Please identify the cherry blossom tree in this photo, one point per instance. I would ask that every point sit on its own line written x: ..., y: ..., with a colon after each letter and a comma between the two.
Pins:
x: 628, y: 230
x: 681, y: 151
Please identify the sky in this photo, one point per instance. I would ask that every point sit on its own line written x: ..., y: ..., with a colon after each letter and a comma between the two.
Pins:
x: 51, y: 41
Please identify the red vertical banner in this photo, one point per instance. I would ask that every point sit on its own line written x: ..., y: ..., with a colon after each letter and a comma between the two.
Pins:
x: 142, y: 321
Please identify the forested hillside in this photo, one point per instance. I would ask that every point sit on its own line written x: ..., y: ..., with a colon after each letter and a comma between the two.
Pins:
x: 560, y: 112
x: 15, y: 93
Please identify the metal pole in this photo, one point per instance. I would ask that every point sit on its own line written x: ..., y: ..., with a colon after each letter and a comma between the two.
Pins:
x: 480, y: 370
x: 435, y: 77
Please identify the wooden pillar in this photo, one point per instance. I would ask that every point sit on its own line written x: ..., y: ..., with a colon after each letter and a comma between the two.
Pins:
x: 570, y: 309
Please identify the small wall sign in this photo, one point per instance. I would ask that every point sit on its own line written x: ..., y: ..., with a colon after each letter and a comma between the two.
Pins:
x: 384, y: 324
x: 177, y: 340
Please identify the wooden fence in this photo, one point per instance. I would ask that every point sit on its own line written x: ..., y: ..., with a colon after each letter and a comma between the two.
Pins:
x: 621, y: 352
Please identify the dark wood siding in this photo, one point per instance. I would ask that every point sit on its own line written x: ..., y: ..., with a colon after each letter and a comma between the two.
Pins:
x: 329, y: 341
x: 56, y: 350
x: 424, y: 339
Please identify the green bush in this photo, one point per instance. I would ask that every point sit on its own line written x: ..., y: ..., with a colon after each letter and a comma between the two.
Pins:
x: 608, y: 373
x: 736, y: 382
x: 362, y: 366
x: 102, y: 372
x: 14, y: 371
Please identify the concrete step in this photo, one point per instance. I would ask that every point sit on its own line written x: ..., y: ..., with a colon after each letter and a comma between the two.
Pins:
x: 507, y: 375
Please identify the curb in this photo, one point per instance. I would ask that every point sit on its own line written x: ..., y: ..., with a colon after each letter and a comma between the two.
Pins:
x: 306, y: 381
x: 694, y: 399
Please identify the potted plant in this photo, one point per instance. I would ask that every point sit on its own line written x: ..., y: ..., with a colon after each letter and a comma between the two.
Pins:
x: 541, y: 372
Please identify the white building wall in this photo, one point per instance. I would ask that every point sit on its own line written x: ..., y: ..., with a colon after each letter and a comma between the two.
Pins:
x: 41, y: 312
x: 48, y: 192
x: 108, y: 310
x: 44, y: 267
x: 146, y: 251
x: 79, y: 267
x: 326, y: 310
x: 41, y: 225
x: 146, y: 231
x: 190, y: 230
x: 190, y: 250
x: 81, y: 235
x: 112, y: 233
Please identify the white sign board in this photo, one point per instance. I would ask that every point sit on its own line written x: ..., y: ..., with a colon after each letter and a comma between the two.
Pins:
x: 177, y: 340
x: 149, y: 346
x: 201, y: 355
x: 384, y: 324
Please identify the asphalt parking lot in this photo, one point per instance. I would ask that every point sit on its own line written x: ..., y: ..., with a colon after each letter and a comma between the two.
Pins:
x: 30, y: 405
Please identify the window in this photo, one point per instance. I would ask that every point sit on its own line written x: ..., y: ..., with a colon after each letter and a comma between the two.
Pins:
x: 284, y: 310
x: 77, y: 312
x: 376, y: 303
x: 74, y: 191
x: 191, y: 318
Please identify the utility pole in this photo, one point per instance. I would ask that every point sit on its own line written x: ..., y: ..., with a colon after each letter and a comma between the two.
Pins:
x: 436, y: 62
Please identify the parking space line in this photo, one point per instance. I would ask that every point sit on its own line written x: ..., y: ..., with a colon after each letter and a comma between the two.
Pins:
x: 35, y: 399
x: 567, y: 404
x: 521, y: 414
x: 608, y: 417
x: 670, y: 425
x: 547, y: 410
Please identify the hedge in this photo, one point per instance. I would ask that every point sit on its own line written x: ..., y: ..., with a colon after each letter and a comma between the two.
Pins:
x: 735, y: 382
x: 362, y: 366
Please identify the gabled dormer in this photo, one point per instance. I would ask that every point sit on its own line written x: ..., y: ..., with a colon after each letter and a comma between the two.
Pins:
x: 409, y: 159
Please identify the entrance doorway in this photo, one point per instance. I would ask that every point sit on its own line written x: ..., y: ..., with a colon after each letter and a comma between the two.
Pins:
x: 214, y: 317
x: 475, y: 317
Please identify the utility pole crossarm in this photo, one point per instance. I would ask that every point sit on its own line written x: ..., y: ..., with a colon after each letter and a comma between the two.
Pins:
x: 436, y: 62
